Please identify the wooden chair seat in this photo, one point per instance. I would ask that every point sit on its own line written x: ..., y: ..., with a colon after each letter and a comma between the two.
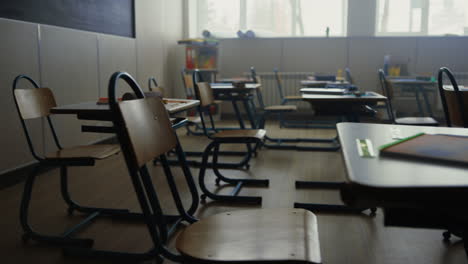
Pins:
x: 92, y: 151
x: 293, y: 97
x: 250, y: 236
x: 241, y: 133
x: 417, y: 121
x: 194, y: 119
x: 281, y: 108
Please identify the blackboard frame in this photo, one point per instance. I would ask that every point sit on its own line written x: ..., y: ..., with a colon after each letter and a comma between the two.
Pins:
x: 115, y: 17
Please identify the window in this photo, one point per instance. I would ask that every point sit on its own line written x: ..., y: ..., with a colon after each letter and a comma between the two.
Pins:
x: 422, y: 17
x: 272, y: 18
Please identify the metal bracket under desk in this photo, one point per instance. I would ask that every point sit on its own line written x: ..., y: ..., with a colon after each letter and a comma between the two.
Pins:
x: 327, y: 208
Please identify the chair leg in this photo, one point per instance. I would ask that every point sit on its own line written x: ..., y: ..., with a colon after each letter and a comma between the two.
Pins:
x: 72, y: 205
x: 239, y: 183
x: 29, y: 233
x: 149, y: 207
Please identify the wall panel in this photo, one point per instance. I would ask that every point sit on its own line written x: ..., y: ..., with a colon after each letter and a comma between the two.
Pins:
x: 318, y: 55
x: 70, y: 68
x: 19, y: 54
x: 115, y: 54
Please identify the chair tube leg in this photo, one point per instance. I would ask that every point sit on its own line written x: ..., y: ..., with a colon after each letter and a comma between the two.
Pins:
x: 149, y: 219
x: 238, y: 182
x: 174, y: 191
x: 29, y: 233
x: 188, y: 178
x: 154, y: 203
x: 72, y: 205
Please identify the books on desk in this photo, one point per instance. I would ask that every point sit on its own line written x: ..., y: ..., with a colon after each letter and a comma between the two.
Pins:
x: 333, y: 91
x: 440, y: 148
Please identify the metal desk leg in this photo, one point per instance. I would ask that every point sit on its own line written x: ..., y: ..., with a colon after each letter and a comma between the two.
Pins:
x: 421, y: 110
x: 327, y: 208
x: 250, y: 114
x: 238, y: 114
x: 426, y: 100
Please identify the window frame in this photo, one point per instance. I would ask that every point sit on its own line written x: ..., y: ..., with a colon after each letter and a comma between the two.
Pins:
x: 196, y: 30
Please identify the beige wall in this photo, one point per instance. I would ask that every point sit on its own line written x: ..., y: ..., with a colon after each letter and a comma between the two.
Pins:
x: 77, y: 65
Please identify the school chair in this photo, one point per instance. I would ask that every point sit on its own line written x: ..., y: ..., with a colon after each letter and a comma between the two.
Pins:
x: 244, y: 236
x: 454, y: 102
x: 35, y: 103
x: 387, y: 90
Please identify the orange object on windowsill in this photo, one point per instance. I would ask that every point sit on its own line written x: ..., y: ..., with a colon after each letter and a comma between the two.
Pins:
x: 105, y: 100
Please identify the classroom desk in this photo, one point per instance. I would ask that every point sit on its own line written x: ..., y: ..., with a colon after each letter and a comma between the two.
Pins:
x: 314, y: 83
x: 235, y: 79
x: 412, y: 193
x: 227, y: 92
x: 417, y: 87
x: 102, y: 112
x: 346, y: 105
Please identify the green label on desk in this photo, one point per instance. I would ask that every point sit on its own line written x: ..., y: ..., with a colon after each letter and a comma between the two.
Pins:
x: 365, y: 148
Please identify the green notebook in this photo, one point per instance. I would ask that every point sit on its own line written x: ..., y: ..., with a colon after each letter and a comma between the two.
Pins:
x: 440, y: 148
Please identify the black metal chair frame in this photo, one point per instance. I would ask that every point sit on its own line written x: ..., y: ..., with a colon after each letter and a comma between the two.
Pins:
x: 390, y: 112
x: 300, y: 123
x: 458, y: 94
x: 196, y: 127
x: 204, y: 132
x: 389, y: 105
x: 464, y: 116
x: 160, y: 226
x: 65, y: 239
x: 152, y: 81
x: 278, y: 143
x: 213, y: 148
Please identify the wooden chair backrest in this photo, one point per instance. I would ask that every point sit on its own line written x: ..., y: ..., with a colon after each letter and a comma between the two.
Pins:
x: 387, y: 87
x: 454, y: 101
x: 205, y: 94
x: 148, y: 127
x: 349, y: 77
x: 160, y: 90
x: 453, y: 108
x: 34, y: 103
x: 188, y: 80
x: 279, y: 83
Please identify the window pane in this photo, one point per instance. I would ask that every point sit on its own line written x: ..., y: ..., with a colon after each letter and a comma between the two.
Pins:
x: 448, y: 17
x: 269, y: 17
x: 317, y: 15
x: 422, y: 17
x: 394, y: 15
x: 218, y: 16
x: 273, y: 17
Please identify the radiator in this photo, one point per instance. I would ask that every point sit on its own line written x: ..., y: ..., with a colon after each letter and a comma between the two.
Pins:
x: 291, y: 82
x: 460, y: 77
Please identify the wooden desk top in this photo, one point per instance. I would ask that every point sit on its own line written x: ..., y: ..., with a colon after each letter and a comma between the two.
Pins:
x: 392, y: 173
x: 323, y: 83
x: 368, y: 97
x: 449, y: 88
x: 172, y: 105
x: 317, y: 90
x: 226, y: 86
x: 410, y: 81
x: 234, y: 79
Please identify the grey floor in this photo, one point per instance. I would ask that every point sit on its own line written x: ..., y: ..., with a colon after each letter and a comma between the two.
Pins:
x: 344, y: 238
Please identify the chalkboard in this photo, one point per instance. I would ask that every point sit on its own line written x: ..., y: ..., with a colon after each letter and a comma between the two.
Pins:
x: 115, y: 17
